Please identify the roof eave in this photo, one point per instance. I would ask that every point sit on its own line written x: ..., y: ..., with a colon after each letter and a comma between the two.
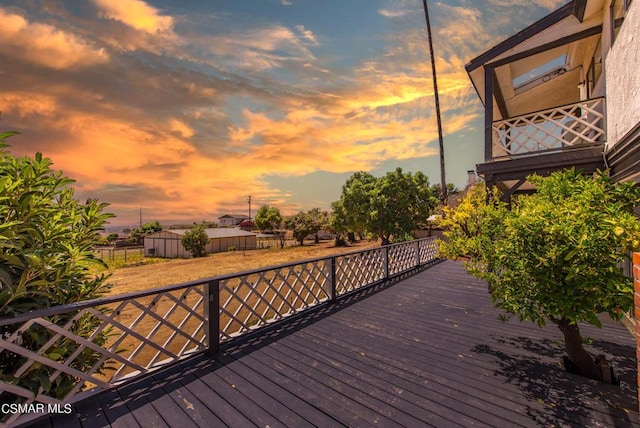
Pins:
x: 535, y: 28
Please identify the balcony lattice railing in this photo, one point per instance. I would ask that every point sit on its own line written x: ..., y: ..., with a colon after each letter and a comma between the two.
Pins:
x: 553, y: 129
x: 111, y: 340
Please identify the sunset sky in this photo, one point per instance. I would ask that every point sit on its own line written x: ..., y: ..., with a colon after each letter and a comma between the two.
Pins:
x: 184, y: 108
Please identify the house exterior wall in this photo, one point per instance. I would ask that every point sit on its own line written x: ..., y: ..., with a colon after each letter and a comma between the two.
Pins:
x: 227, y: 221
x: 230, y: 220
x: 623, y: 78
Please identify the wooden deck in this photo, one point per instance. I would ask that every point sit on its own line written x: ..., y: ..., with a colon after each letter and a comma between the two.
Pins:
x: 427, y: 350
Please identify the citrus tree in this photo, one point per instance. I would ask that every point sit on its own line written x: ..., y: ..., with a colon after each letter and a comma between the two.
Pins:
x: 556, y: 256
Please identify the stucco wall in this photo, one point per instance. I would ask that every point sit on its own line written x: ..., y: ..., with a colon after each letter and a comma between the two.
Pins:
x: 623, y: 78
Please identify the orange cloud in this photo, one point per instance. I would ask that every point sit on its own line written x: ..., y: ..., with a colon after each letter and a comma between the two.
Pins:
x: 186, y: 144
x: 44, y: 44
x: 136, y: 14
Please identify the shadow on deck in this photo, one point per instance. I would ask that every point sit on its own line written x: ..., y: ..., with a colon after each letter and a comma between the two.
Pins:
x: 427, y: 350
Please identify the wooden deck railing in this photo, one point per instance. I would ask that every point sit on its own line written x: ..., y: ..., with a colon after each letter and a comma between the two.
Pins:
x: 137, y: 333
x: 557, y: 128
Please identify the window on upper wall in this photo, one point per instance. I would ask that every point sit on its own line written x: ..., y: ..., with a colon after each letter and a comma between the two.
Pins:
x: 540, y: 74
x: 618, y: 10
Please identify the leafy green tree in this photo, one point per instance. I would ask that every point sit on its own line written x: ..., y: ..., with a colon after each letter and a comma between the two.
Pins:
x: 400, y: 203
x: 46, y: 251
x: 451, y: 189
x: 268, y: 218
x: 557, y: 256
x: 112, y: 237
x: 320, y: 220
x: 338, y: 223
x: 351, y: 211
x: 138, y: 234
x: 302, y: 225
x: 472, y: 228
x: 195, y: 240
x: 393, y: 205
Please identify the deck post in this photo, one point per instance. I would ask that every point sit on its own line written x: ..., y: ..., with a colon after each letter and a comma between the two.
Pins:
x: 416, y: 246
x: 332, y: 280
x: 212, y: 316
x: 385, y: 261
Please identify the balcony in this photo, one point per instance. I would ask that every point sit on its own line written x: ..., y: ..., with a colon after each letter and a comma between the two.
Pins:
x: 568, y: 136
x: 570, y: 126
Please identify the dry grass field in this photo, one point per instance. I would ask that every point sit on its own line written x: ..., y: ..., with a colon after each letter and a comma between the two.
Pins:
x: 154, y: 318
x: 175, y: 271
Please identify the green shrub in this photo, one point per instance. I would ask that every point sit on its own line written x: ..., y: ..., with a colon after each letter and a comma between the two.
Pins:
x: 195, y: 240
x: 46, y: 250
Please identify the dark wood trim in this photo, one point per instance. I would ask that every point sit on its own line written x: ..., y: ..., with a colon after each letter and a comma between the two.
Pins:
x: 500, y: 102
x: 506, y: 196
x: 212, y: 315
x: 548, y: 46
x: 489, y: 77
x: 555, y: 107
x: 624, y: 157
x: 579, y: 8
x: 589, y: 159
x: 513, y: 41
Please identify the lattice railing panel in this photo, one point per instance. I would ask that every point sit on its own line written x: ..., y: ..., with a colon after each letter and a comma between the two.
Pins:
x: 97, y: 347
x: 402, y: 257
x: 428, y: 250
x: 355, y: 271
x: 552, y: 129
x: 251, y: 301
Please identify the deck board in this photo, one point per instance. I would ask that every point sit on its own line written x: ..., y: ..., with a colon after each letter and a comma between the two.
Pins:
x: 427, y: 350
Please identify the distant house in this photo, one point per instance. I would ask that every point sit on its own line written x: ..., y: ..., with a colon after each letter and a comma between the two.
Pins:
x: 168, y: 243
x: 232, y: 219
x: 563, y: 92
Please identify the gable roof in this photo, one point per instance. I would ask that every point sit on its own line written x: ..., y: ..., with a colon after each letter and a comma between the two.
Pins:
x: 234, y: 216
x: 535, y: 28
x: 565, y: 33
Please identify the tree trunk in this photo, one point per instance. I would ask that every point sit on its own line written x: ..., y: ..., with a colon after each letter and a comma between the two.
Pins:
x: 576, y: 353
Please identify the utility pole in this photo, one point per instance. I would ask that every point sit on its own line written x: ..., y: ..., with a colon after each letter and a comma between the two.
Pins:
x: 443, y: 180
x: 140, y: 218
x: 249, y: 200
